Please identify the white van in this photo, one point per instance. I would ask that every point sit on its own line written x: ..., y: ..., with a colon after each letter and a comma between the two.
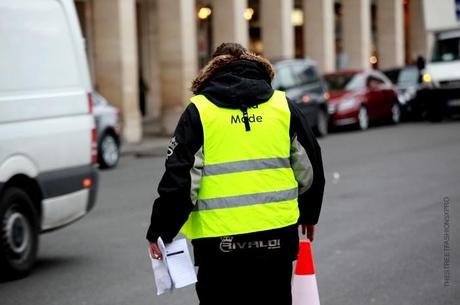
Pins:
x: 442, y: 73
x: 442, y: 76
x: 48, y: 148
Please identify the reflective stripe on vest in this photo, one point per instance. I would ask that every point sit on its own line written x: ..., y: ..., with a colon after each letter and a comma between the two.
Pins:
x: 247, y: 183
x: 242, y: 200
x: 246, y: 165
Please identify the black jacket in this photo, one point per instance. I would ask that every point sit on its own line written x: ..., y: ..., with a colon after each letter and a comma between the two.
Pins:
x: 235, y: 84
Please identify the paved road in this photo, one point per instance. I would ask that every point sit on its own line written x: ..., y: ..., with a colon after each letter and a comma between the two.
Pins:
x: 379, y: 241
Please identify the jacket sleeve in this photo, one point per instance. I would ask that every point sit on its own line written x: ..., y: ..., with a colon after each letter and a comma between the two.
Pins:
x: 307, y: 165
x: 175, y: 202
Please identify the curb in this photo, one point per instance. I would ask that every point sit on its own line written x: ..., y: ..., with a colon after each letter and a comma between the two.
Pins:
x: 156, y: 147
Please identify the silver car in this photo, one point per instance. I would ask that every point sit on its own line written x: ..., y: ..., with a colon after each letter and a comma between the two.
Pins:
x: 108, y: 126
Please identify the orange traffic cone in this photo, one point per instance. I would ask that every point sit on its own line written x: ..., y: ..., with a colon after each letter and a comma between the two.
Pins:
x: 304, y: 288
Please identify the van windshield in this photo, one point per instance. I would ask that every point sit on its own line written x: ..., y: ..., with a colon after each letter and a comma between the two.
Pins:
x: 446, y: 50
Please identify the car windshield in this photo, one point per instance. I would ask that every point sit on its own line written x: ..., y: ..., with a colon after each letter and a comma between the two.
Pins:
x: 284, y: 78
x: 408, y: 77
x: 289, y: 76
x: 345, y: 81
x: 446, y: 50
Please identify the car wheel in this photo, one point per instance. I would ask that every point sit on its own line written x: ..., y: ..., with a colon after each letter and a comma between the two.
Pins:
x: 109, y: 151
x: 19, y: 234
x: 321, y: 127
x: 363, y: 118
x: 395, y: 113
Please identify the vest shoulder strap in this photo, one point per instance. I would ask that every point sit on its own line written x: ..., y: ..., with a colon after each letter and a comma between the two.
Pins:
x: 201, y: 102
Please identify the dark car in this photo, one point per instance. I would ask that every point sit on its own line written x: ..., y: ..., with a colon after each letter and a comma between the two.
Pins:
x: 392, y: 74
x: 409, y: 85
x: 302, y: 83
x: 359, y: 97
x: 108, y: 126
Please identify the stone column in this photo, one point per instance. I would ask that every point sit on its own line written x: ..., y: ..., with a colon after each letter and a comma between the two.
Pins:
x: 357, y: 33
x: 178, y: 57
x: 420, y: 41
x: 116, y: 60
x: 390, y: 33
x: 319, y: 35
x: 229, y: 24
x: 277, y: 28
x: 150, y: 64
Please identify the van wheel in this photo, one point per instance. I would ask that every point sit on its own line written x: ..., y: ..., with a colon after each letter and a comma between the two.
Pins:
x: 19, y: 233
x: 321, y: 127
x: 109, y: 152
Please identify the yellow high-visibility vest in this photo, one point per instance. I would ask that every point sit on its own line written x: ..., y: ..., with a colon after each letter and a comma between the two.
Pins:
x: 247, y: 183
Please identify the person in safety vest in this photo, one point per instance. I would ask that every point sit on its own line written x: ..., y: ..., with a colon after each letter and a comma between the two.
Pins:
x: 243, y: 172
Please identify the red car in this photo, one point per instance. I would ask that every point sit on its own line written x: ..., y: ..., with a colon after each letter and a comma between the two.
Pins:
x: 360, y: 97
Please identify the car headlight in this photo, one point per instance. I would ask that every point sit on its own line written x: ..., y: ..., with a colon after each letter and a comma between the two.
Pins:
x: 411, y: 93
x: 407, y: 95
x: 347, y: 104
x: 402, y: 98
x: 426, y: 78
x: 331, y: 108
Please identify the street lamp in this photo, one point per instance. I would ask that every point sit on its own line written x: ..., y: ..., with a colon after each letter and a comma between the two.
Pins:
x: 204, y: 13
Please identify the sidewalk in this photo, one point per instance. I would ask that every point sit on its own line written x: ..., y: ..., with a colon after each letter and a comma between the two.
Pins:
x: 154, y: 142
x: 148, y: 147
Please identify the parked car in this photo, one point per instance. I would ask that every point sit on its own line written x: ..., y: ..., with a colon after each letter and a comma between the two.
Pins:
x: 48, y: 177
x: 361, y: 97
x: 300, y: 79
x: 409, y: 85
x: 108, y: 126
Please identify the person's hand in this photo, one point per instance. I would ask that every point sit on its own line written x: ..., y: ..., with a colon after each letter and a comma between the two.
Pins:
x: 155, y: 251
x: 310, y: 229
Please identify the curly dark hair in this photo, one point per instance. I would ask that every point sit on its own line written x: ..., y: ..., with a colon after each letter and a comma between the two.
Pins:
x: 230, y: 48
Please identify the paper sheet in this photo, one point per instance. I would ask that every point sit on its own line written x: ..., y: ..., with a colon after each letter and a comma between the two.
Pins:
x: 176, y: 269
x: 180, y: 264
x: 163, y: 280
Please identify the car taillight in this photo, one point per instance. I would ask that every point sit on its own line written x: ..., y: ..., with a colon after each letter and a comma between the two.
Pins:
x: 326, y: 95
x: 90, y: 103
x: 93, y: 146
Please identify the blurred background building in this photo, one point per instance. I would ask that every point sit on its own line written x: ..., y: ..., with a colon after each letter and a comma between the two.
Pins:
x: 143, y: 54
